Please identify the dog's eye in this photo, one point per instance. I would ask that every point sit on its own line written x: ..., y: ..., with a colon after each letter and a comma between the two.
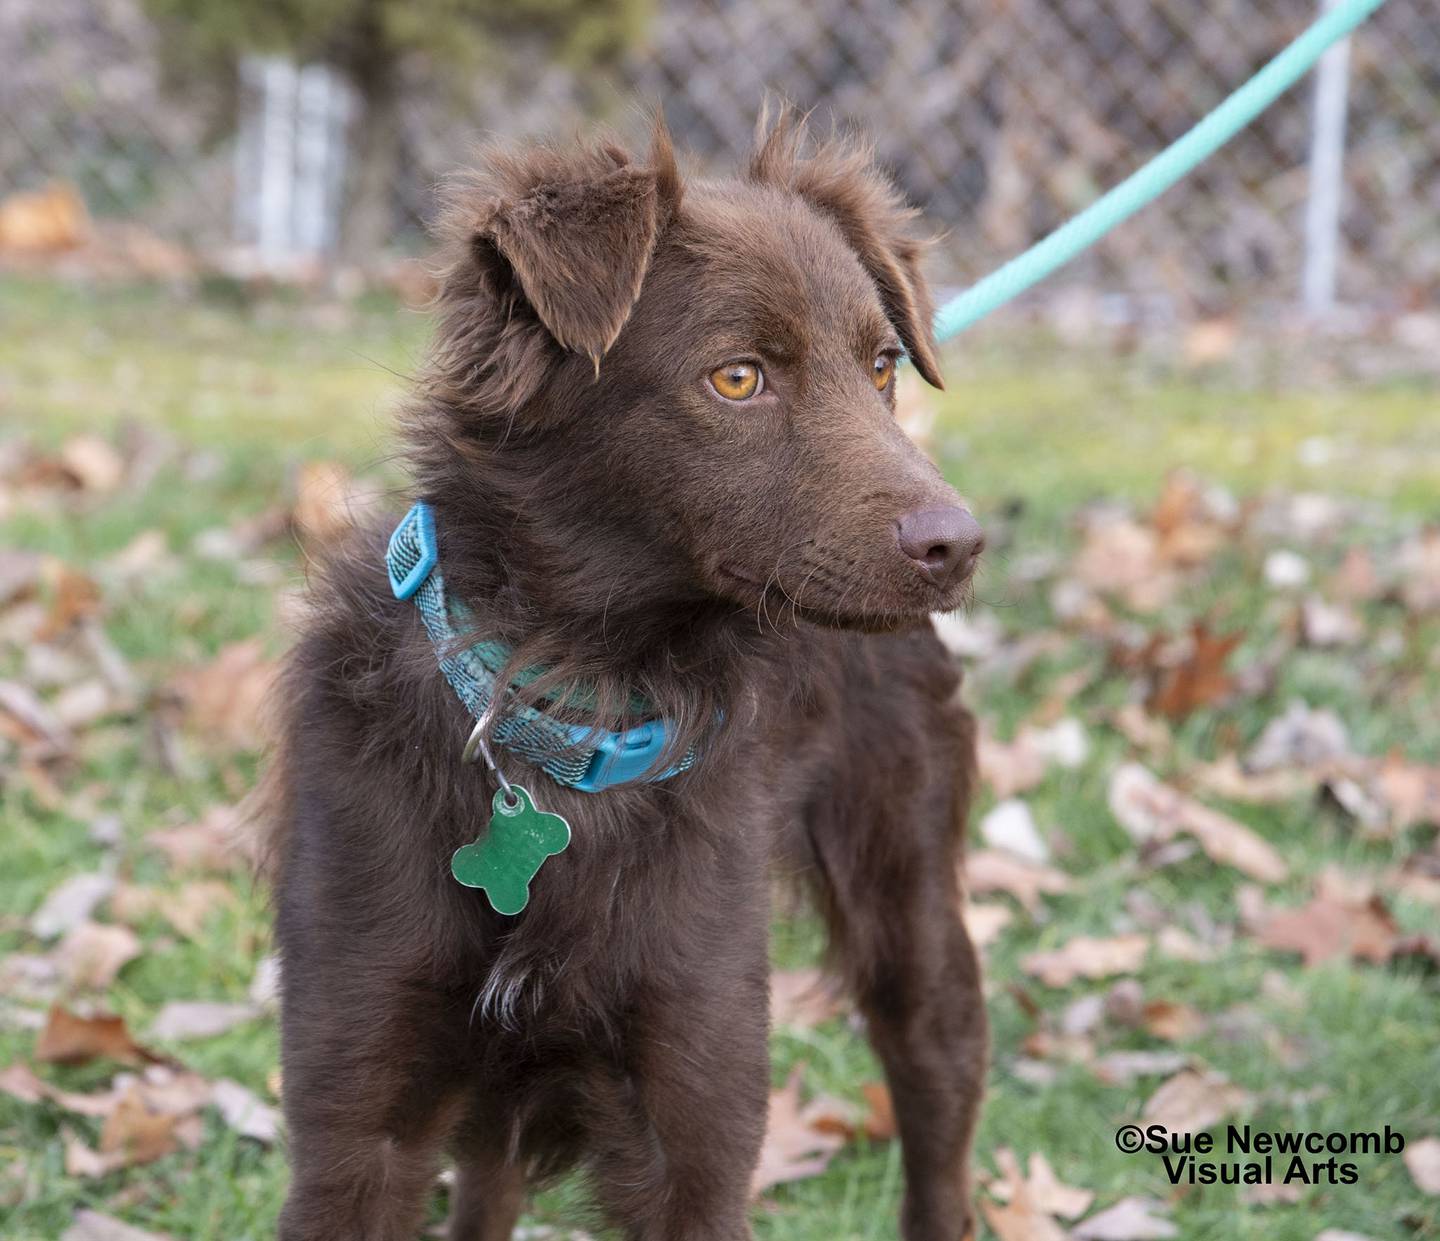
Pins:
x: 737, y: 381
x: 882, y: 371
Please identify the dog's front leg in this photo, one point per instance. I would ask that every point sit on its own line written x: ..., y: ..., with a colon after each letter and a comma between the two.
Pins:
x: 885, y: 854
x: 680, y: 1127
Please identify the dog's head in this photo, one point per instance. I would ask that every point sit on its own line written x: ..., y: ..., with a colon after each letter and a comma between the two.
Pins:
x: 714, y: 363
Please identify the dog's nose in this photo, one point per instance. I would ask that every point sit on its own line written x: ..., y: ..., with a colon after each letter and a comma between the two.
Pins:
x: 943, y: 542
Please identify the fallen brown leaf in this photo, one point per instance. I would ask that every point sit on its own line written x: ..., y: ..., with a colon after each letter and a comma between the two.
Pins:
x: 1010, y: 767
x: 1419, y: 564
x: 1422, y: 1159
x: 178, y: 1020
x: 879, y: 1123
x: 1150, y: 810
x: 985, y: 921
x: 1197, y: 680
x: 92, y: 954
x: 135, y: 1134
x: 803, y: 999
x: 1171, y: 1021
x: 794, y: 1147
x: 1122, y: 558
x: 1193, y: 1100
x: 1017, y: 1216
x: 69, y: 1038
x: 1329, y: 927
x: 1119, y: 1068
x: 21, y: 1082
x: 70, y: 903
x: 243, y: 1111
x: 226, y: 698
x: 188, y: 908
x: 1087, y: 957
x: 74, y: 597
x: 1189, y: 532
x: 210, y: 843
x: 1130, y: 1219
x: 94, y: 1226
x: 1046, y: 1191
x: 93, y: 462
x: 991, y: 870
x: 1227, y: 778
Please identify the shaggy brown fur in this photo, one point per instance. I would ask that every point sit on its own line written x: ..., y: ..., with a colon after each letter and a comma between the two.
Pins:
x: 604, y: 510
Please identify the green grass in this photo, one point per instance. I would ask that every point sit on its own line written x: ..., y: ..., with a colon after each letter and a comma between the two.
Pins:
x: 237, y: 392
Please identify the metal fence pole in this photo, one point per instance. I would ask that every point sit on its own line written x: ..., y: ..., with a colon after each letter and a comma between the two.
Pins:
x: 1327, y: 171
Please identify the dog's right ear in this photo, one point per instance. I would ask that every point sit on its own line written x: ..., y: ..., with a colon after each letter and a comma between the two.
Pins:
x: 576, y: 231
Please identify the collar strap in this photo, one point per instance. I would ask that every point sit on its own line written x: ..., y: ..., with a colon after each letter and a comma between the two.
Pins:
x: 576, y: 755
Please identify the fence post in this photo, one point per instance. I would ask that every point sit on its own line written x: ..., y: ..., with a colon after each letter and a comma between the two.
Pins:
x: 1327, y: 172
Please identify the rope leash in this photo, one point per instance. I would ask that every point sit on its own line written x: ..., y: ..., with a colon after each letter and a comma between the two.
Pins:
x: 1155, y: 177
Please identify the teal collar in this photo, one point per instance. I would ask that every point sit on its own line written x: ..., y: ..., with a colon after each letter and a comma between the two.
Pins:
x: 575, y: 755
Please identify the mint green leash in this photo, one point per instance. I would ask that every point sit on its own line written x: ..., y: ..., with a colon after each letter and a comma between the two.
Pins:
x: 1157, y: 176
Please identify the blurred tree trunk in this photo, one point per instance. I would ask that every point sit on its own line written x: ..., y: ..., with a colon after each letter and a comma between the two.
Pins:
x: 369, y: 223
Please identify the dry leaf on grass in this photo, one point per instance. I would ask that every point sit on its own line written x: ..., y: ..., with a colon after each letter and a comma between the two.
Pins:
x: 1046, y: 1191
x: 1422, y: 1158
x: 95, y: 1226
x: 985, y: 921
x: 1010, y: 826
x: 991, y: 870
x: 1331, y: 926
x: 1171, y: 1021
x: 1419, y: 564
x: 190, y: 907
x: 1122, y: 558
x: 1302, y: 736
x: 1410, y: 791
x: 21, y: 1082
x: 1010, y: 768
x: 1119, y: 1068
x: 802, y: 999
x: 73, y: 597
x: 879, y: 1122
x: 92, y: 462
x: 1017, y: 1216
x: 178, y: 1020
x: 245, y: 1112
x: 226, y: 698
x: 211, y: 843
x: 92, y: 954
x: 1130, y: 1219
x: 1193, y: 1100
x: 1141, y: 729
x: 800, y: 1139
x: 69, y: 1038
x: 1086, y: 956
x: 1199, y: 679
x: 1149, y: 810
x: 70, y: 903
x: 1227, y: 778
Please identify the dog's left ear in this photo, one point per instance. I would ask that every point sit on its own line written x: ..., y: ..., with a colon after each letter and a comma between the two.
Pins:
x: 578, y: 233
x: 841, y: 180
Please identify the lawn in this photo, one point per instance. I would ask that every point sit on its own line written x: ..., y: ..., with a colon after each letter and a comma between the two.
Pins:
x: 1082, y: 665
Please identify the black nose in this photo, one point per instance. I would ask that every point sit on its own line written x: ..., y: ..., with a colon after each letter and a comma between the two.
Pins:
x: 943, y: 542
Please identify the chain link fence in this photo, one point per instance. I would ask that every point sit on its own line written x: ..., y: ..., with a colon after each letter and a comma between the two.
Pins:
x: 1000, y: 117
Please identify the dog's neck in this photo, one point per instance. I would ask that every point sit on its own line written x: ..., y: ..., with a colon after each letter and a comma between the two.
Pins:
x: 574, y: 582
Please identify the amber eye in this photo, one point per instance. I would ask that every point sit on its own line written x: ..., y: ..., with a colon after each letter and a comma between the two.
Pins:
x: 884, y: 368
x: 737, y: 381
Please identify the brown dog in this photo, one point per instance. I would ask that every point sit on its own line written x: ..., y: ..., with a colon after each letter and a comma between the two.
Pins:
x: 657, y: 437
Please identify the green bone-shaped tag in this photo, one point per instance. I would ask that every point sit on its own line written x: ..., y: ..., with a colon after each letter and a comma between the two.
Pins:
x: 504, y: 860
